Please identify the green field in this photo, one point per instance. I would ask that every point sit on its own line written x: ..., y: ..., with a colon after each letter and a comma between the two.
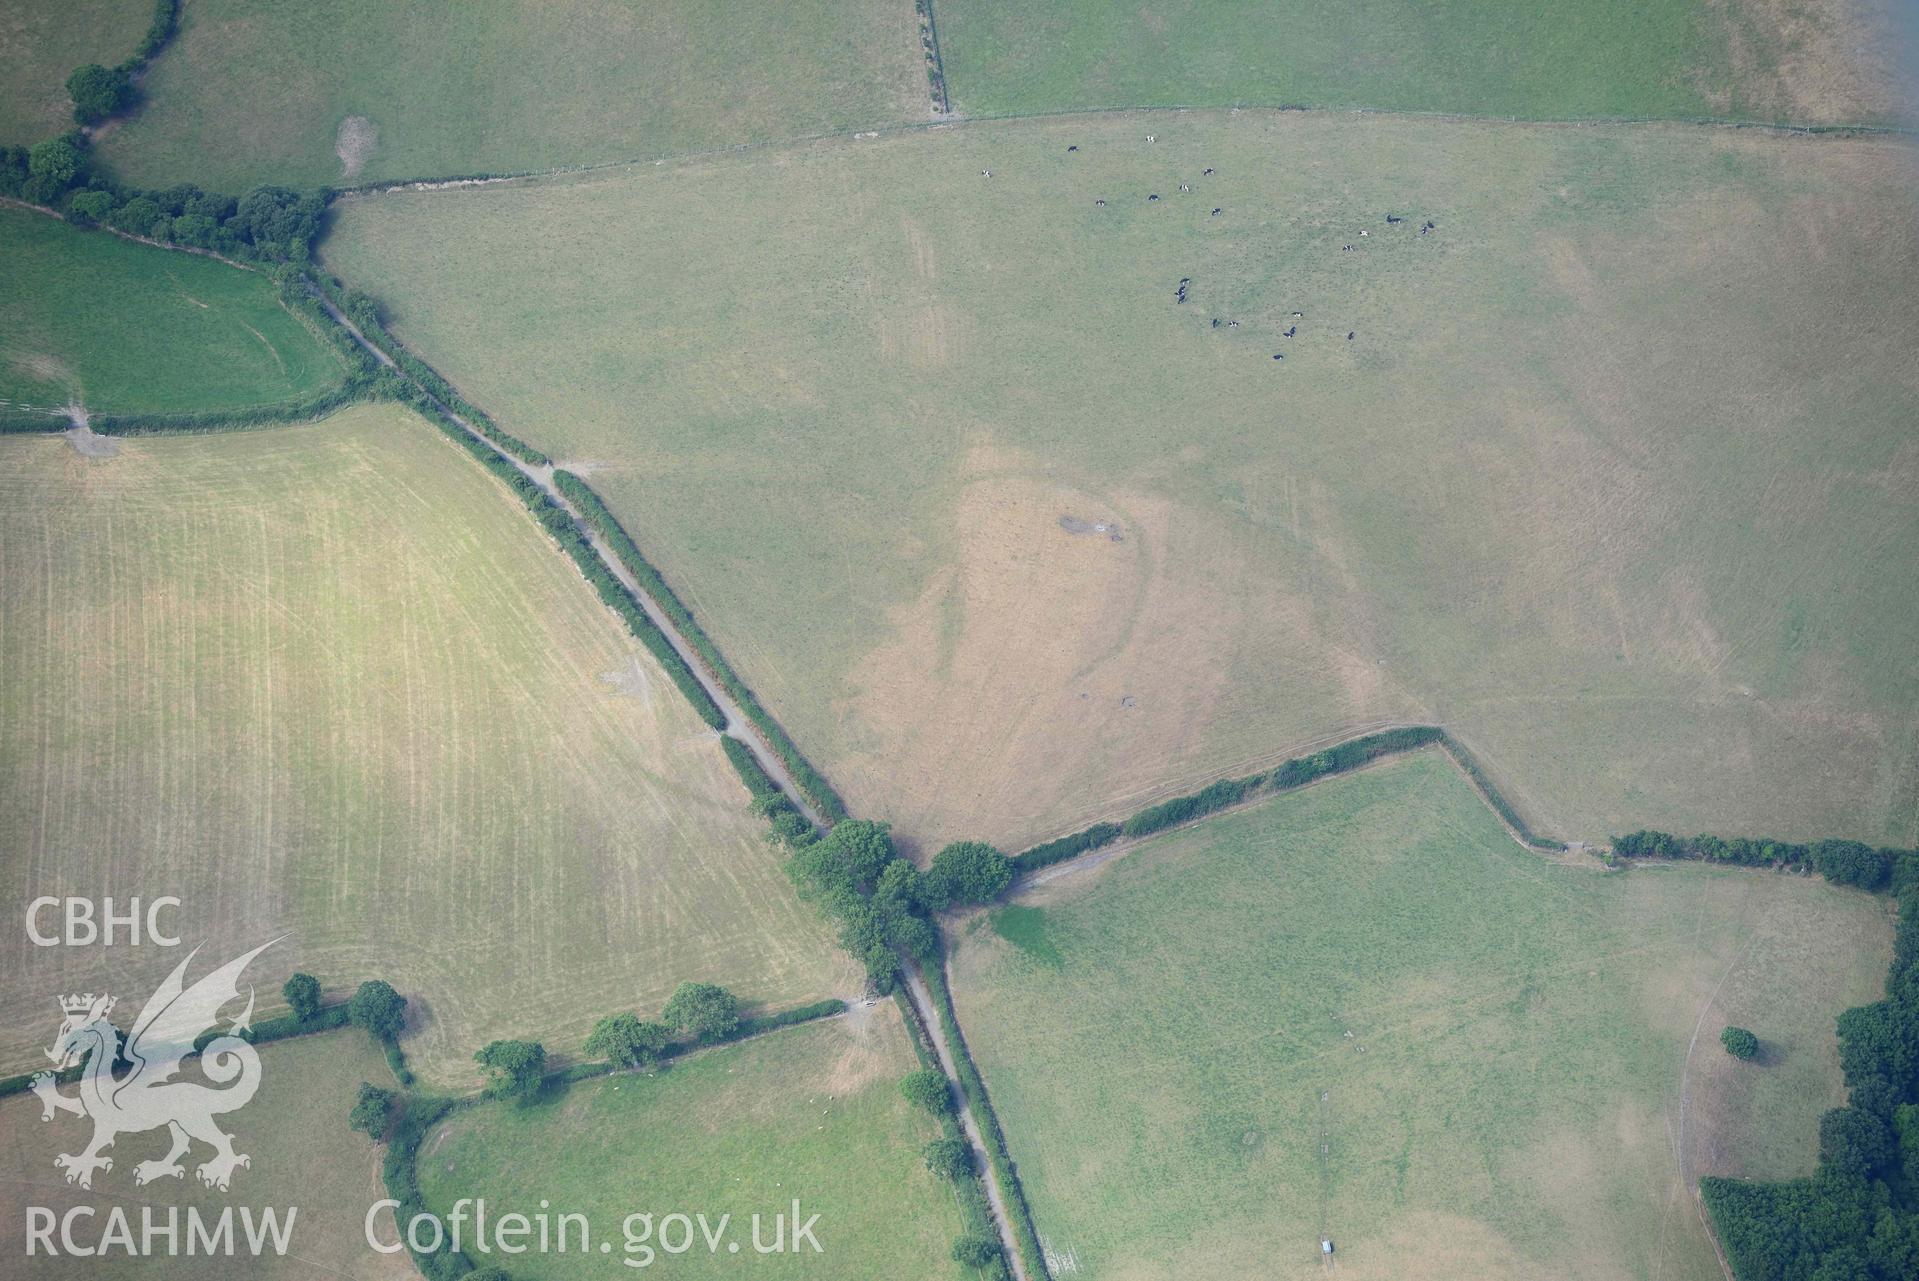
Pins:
x: 813, y: 1114
x: 332, y: 680
x: 348, y: 91
x: 303, y: 1157
x: 1810, y: 61
x: 90, y: 319
x: 1362, y: 1011
x: 41, y: 44
x: 1613, y: 479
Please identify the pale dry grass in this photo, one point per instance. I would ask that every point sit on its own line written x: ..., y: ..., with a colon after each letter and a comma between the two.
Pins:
x: 1608, y: 482
x: 332, y: 681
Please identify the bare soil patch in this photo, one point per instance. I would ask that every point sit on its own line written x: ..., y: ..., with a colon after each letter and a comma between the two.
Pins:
x: 354, y: 144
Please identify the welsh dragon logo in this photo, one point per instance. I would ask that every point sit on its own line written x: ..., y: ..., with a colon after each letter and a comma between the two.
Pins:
x: 145, y: 1096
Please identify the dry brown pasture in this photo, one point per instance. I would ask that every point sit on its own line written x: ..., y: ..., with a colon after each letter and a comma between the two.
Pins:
x: 1615, y: 478
x: 331, y: 681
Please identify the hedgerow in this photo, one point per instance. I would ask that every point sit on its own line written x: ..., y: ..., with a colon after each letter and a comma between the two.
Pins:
x: 1025, y: 1235
x: 1228, y: 792
x: 595, y: 513
x: 1852, y: 863
x: 364, y: 311
x: 564, y: 531
x: 975, y: 1209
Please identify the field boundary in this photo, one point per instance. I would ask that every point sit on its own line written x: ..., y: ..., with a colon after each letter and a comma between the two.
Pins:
x: 1226, y: 794
x: 400, y: 1170
x: 961, y: 119
x: 538, y: 489
x: 930, y: 46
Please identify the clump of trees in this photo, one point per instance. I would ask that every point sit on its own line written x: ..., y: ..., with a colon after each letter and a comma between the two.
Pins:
x: 949, y: 1158
x: 1857, y: 1217
x: 99, y: 92
x: 302, y: 993
x: 702, y: 1012
x: 1740, y: 1043
x: 373, y: 1111
x: 966, y: 873
x: 514, y: 1069
x: 928, y: 1089
x: 379, y: 1009
x: 878, y: 898
x: 628, y: 1040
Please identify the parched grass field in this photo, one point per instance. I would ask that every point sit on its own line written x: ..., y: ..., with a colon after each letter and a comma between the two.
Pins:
x: 41, y: 44
x: 1363, y: 1012
x: 813, y: 1113
x: 117, y: 327
x: 1614, y: 477
x: 1808, y: 61
x: 303, y: 1156
x: 331, y: 680
x: 345, y: 91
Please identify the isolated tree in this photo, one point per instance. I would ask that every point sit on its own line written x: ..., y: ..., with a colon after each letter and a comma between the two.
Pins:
x: 514, y: 1069
x: 975, y: 1250
x: 967, y: 872
x: 1739, y: 1043
x: 377, y: 1008
x: 928, y: 1089
x: 373, y: 1112
x: 948, y: 1158
x: 627, y: 1040
x: 99, y: 92
x: 703, y: 1011
x: 302, y: 992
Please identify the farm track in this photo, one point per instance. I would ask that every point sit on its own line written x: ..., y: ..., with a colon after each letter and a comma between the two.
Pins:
x: 924, y: 1011
x: 740, y: 728
x: 737, y: 725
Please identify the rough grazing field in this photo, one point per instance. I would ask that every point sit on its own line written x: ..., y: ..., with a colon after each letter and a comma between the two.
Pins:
x: 813, y: 1113
x: 119, y: 327
x: 332, y: 680
x: 303, y: 1156
x: 1363, y: 1012
x: 41, y: 44
x: 1615, y: 477
x: 1809, y: 61
x: 351, y: 91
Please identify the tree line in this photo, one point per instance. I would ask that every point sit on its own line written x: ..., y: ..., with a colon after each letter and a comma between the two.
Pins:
x: 1857, y: 1217
x: 1852, y: 863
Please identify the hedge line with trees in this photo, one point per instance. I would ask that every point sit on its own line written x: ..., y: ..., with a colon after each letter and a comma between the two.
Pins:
x: 100, y: 93
x: 975, y: 1210
x: 1228, y: 792
x: 1857, y: 1217
x: 1851, y: 863
x: 973, y: 1088
x: 566, y: 532
x: 364, y: 311
x: 595, y: 513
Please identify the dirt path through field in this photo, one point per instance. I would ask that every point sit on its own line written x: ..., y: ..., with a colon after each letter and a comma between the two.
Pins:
x: 737, y: 726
